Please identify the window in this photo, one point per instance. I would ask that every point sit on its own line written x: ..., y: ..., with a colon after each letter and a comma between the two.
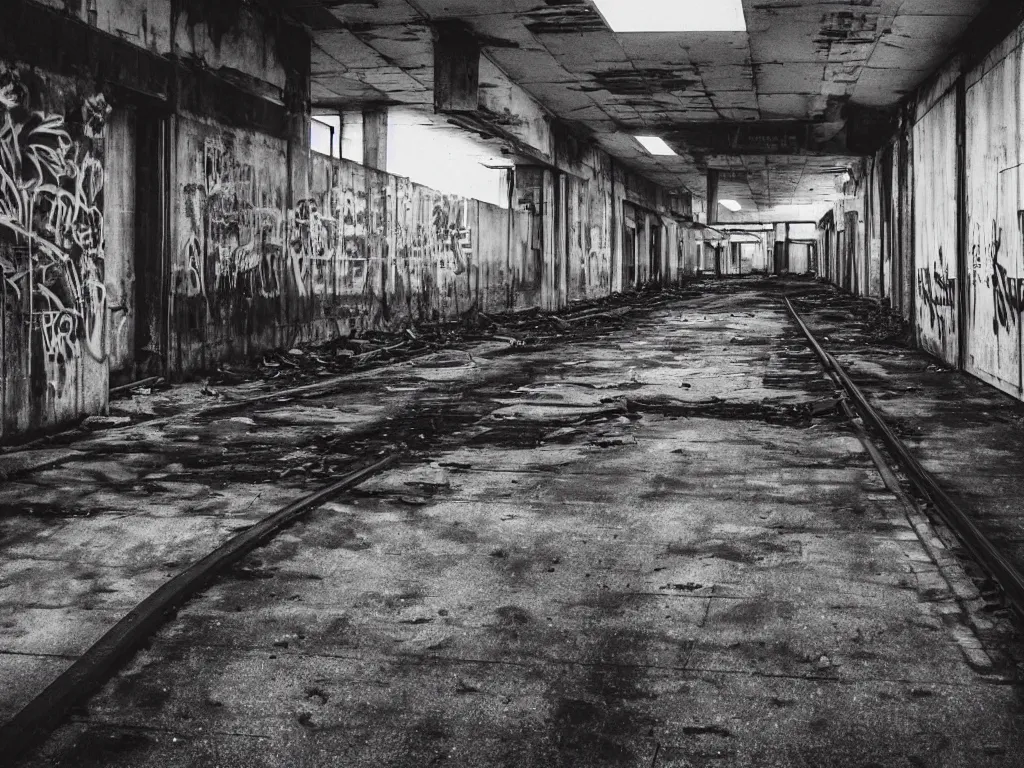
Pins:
x: 655, y: 146
x: 673, y: 15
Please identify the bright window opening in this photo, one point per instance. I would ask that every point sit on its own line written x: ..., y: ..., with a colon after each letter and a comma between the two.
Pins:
x: 655, y: 146
x: 732, y: 205
x: 673, y: 15
x: 352, y: 135
x: 325, y: 135
x: 433, y: 153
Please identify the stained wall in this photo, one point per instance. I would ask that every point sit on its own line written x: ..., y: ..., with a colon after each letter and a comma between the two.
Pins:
x: 111, y: 153
x: 161, y: 211
x: 54, y: 331
x: 944, y: 199
x: 995, y: 199
x: 935, y: 228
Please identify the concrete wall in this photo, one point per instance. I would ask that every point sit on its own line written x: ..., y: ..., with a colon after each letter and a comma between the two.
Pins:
x: 142, y: 197
x: 689, y: 251
x: 161, y: 211
x: 995, y: 199
x: 943, y: 198
x: 866, y: 242
x: 935, y: 231
x: 55, y: 326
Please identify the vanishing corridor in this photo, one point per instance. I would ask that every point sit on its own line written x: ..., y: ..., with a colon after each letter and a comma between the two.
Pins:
x: 655, y: 544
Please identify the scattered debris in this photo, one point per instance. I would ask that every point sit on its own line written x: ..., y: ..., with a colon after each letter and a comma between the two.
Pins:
x: 826, y: 406
x: 106, y: 422
x: 364, y: 348
x: 688, y: 587
x: 144, y: 387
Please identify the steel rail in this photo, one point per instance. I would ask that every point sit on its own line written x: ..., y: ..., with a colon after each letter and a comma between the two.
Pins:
x: 1005, y: 573
x: 47, y: 711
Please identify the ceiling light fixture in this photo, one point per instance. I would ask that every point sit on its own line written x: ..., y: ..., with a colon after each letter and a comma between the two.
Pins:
x: 732, y: 205
x: 655, y: 146
x: 673, y: 15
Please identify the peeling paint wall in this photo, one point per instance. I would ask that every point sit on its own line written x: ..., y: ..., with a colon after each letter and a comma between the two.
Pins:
x: 365, y: 251
x: 689, y: 251
x: 947, y: 206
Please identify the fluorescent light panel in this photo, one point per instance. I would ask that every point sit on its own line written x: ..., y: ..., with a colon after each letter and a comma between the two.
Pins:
x: 732, y: 205
x: 655, y: 145
x: 673, y: 15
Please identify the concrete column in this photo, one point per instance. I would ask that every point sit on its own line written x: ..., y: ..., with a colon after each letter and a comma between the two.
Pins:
x: 549, y: 287
x: 562, y: 214
x: 298, y: 158
x: 375, y: 139
x: 456, y: 69
x: 712, y: 196
x: 785, y: 252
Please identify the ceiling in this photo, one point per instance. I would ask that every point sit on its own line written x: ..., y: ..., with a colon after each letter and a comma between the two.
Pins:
x: 771, y: 107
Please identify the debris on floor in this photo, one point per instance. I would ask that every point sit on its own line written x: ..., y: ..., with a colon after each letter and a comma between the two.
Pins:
x: 367, y: 349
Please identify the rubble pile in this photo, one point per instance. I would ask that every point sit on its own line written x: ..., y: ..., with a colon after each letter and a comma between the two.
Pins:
x: 368, y: 349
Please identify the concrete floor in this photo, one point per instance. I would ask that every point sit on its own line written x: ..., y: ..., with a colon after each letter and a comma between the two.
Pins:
x: 640, y: 550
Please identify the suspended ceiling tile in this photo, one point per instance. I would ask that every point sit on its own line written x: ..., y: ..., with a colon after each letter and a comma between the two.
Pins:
x: 527, y: 67
x: 586, y: 52
x: 811, y: 55
x: 776, y: 106
x: 374, y: 12
x: 789, y: 78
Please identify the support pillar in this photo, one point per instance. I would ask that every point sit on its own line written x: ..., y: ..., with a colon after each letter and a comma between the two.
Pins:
x: 456, y: 69
x: 712, y: 196
x: 785, y: 253
x: 375, y: 139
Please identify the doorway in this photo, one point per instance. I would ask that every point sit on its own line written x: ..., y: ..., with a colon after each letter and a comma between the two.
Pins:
x: 629, y: 249
x: 134, y: 205
x: 656, y: 239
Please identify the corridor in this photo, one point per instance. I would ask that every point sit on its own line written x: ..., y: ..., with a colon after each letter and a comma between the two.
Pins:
x: 511, y: 383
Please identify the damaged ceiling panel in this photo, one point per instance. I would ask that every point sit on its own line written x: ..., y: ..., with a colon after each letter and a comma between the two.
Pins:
x: 776, y: 98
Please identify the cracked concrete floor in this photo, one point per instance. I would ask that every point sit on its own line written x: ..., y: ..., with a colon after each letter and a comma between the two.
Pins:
x: 638, y: 550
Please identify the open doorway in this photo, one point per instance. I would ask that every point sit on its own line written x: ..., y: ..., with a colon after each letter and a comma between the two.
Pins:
x: 629, y: 249
x: 134, y: 205
x: 656, y: 240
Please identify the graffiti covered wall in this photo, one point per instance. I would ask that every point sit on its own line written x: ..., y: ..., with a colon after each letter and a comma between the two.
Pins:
x: 364, y: 251
x: 935, y: 230
x: 589, y: 221
x: 995, y: 223
x: 55, y: 315
x: 238, y: 283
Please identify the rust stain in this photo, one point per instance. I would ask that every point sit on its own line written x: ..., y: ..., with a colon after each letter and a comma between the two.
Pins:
x: 561, y: 17
x: 640, y: 82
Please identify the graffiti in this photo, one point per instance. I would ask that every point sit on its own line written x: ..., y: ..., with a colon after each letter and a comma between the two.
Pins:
x: 313, y: 247
x: 51, y: 226
x: 1007, y: 299
x: 95, y: 113
x: 452, y: 235
x: 937, y: 292
x: 235, y: 232
x: 988, y: 273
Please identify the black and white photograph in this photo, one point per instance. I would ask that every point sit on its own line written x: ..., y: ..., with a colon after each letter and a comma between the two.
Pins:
x: 512, y: 383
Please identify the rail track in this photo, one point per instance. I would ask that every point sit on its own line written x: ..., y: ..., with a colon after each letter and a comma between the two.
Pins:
x: 47, y: 710
x: 981, y: 547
